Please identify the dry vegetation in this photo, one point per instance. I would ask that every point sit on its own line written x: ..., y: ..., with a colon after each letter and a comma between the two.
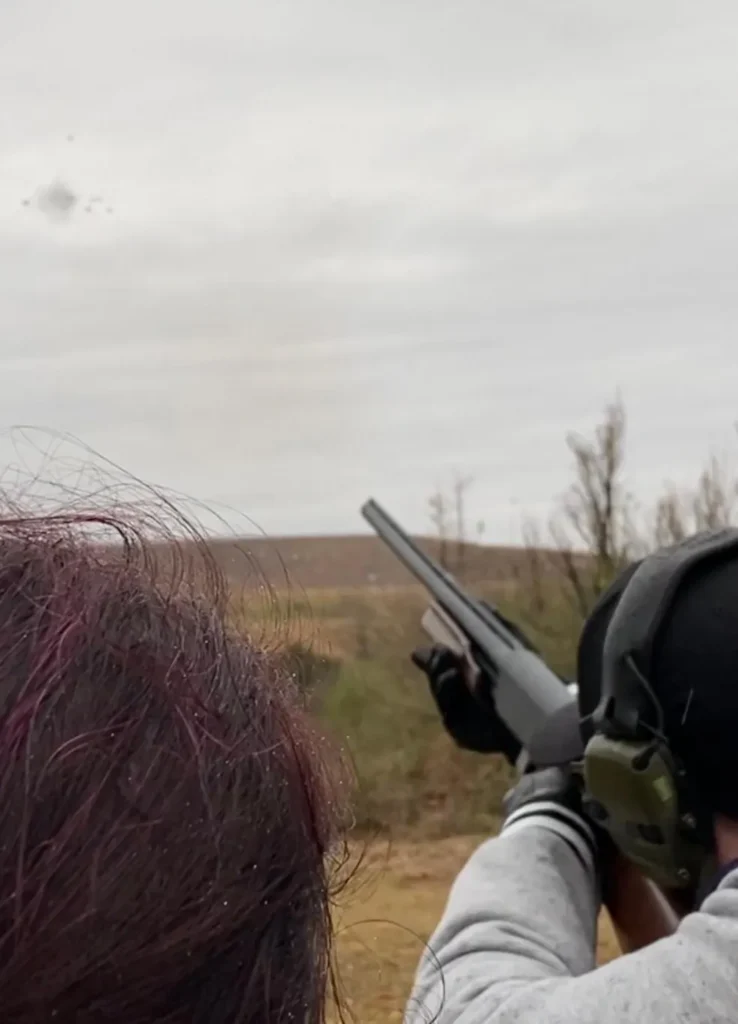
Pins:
x: 351, y: 621
x: 421, y: 804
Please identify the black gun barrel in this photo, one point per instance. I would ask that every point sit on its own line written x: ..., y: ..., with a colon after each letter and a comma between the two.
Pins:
x: 475, y: 620
x: 537, y: 707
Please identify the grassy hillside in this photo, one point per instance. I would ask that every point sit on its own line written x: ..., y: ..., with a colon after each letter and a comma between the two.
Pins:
x: 346, y: 562
x: 421, y: 805
x: 351, y: 650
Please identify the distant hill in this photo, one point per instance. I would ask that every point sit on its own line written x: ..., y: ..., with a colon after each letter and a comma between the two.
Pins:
x: 342, y: 562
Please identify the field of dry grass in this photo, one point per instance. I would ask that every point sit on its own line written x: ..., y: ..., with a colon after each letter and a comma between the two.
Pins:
x: 388, y: 913
x: 413, y: 784
x: 344, y: 562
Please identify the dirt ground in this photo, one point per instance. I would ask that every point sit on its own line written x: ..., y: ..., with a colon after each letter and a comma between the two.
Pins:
x: 385, y: 916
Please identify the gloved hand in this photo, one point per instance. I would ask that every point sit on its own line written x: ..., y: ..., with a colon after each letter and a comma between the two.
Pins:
x: 553, y: 796
x: 472, y: 724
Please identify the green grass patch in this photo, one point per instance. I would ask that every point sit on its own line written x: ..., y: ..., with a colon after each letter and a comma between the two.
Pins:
x: 351, y: 650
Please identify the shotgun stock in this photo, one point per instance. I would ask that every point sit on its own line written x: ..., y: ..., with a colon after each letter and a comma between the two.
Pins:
x: 538, y: 707
x: 639, y: 911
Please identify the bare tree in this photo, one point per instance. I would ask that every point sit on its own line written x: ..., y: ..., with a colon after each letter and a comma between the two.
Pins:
x: 448, y: 515
x: 439, y: 518
x: 461, y: 485
x: 711, y: 505
x: 538, y: 570
x: 714, y: 503
x: 593, y: 531
x: 670, y: 518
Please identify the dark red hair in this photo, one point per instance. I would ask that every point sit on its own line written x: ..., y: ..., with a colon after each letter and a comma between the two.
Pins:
x: 166, y: 808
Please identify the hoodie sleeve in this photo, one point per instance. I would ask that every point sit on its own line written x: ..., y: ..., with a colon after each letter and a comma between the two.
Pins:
x: 517, y: 942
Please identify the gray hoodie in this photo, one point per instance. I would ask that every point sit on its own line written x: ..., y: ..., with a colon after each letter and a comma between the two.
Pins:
x: 517, y: 943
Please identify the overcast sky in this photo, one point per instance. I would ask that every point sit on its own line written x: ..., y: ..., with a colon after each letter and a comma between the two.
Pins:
x: 356, y: 246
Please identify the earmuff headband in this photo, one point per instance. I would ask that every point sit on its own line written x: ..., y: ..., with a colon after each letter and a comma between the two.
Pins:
x: 628, y: 709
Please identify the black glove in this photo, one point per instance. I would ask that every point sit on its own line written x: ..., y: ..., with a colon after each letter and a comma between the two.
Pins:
x: 472, y: 723
x: 556, y: 793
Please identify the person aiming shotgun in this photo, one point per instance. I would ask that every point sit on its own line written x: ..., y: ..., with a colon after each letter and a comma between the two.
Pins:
x: 653, y: 795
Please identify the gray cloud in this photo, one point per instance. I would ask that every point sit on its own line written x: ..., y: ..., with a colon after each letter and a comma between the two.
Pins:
x: 355, y: 247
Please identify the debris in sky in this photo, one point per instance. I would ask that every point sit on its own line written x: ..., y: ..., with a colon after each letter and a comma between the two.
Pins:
x: 58, y: 201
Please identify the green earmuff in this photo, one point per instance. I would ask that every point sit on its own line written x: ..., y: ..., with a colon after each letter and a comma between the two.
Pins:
x: 632, y: 791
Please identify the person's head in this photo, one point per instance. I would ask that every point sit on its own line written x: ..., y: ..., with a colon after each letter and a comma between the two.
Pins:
x: 165, y: 806
x: 694, y: 676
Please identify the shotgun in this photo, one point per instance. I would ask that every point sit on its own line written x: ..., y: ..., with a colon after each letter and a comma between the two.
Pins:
x: 535, y: 704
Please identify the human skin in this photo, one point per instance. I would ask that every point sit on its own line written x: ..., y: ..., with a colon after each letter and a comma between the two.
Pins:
x: 726, y: 840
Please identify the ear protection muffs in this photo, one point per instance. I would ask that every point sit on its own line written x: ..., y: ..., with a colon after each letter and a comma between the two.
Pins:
x: 634, y: 786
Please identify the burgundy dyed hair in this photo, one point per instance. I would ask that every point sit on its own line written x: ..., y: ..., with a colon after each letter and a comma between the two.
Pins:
x: 166, y: 808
